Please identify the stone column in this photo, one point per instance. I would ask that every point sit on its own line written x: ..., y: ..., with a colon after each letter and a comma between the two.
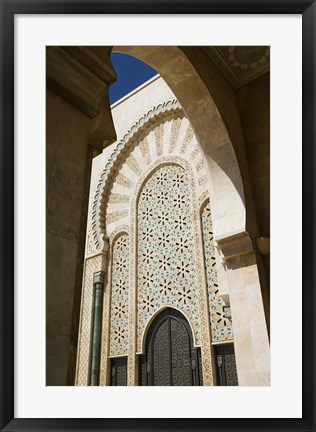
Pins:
x: 78, y: 126
x: 98, y: 282
x: 250, y: 329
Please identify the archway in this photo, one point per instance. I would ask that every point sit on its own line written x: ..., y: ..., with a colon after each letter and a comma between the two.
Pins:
x: 226, y: 194
x: 180, y: 75
x: 170, y: 358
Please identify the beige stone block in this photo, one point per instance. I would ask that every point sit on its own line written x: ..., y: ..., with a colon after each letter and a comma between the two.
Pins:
x: 248, y: 379
x: 245, y: 358
x: 250, y: 274
x: 240, y: 313
x: 264, y: 378
x: 235, y: 277
x: 261, y: 350
x: 254, y: 305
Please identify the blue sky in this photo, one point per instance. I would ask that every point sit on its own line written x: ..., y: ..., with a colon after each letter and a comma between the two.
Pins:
x: 131, y: 73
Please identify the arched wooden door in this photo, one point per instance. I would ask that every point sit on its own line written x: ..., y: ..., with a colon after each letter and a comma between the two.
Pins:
x: 170, y: 359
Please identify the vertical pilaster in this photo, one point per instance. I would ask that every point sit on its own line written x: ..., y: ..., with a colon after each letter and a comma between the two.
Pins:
x: 251, y: 341
x: 98, y: 281
x: 131, y: 359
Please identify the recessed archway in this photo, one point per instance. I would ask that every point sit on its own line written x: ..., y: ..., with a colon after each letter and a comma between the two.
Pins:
x: 170, y: 356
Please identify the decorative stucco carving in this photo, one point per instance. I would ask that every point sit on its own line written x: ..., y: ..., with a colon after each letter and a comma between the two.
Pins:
x: 187, y: 139
x: 120, y: 286
x: 195, y: 152
x: 112, y: 217
x: 234, y: 246
x: 174, y: 134
x: 241, y: 64
x: 98, y: 207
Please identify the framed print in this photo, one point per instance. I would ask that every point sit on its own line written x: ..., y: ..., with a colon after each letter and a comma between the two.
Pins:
x: 136, y: 209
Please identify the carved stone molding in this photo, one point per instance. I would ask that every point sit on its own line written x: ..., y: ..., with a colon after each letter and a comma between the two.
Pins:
x: 98, y: 206
x: 241, y: 64
x: 263, y: 245
x: 82, y: 76
x: 232, y: 247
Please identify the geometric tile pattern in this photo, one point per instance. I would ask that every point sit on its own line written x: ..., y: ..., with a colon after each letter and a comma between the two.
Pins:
x: 120, y: 295
x: 166, y: 263
x: 221, y: 327
x: 92, y: 265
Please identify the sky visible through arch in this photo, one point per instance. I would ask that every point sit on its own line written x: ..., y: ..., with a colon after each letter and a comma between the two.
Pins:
x: 131, y: 73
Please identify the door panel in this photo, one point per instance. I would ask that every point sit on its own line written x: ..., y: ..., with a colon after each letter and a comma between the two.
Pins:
x: 180, y: 355
x: 118, y: 371
x: 226, y: 365
x: 170, y: 359
x: 161, y: 356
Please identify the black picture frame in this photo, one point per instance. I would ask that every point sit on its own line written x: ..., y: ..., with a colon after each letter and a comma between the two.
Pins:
x: 8, y: 10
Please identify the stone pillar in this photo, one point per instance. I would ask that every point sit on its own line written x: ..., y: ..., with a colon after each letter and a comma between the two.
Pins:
x: 98, y: 282
x: 78, y: 126
x: 250, y: 329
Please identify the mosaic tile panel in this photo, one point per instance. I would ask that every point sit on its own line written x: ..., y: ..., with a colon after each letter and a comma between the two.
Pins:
x: 166, y: 257
x: 120, y: 296
x: 221, y: 327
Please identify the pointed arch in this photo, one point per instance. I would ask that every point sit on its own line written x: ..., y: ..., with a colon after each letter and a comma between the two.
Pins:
x: 151, y: 320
